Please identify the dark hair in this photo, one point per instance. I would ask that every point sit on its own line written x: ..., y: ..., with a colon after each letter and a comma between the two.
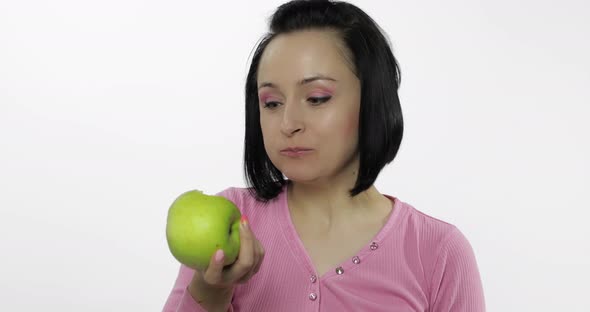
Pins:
x: 380, y: 121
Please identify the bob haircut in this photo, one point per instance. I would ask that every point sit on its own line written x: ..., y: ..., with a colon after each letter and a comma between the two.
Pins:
x: 380, y: 118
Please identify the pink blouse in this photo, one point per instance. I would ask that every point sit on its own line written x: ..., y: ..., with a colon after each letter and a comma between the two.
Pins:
x: 414, y: 263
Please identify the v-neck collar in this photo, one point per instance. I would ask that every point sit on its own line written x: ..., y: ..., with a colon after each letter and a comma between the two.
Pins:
x: 301, y: 254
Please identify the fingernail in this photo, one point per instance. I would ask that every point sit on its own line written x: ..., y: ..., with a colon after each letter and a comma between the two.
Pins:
x: 219, y: 255
x: 244, y: 222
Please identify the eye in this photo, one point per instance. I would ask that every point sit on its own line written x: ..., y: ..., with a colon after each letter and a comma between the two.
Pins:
x: 271, y: 104
x: 319, y: 100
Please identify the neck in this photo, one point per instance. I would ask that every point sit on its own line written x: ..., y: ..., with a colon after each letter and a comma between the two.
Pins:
x: 329, y: 201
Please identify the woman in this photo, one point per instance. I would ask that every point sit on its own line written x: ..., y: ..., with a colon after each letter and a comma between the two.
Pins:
x: 322, y: 120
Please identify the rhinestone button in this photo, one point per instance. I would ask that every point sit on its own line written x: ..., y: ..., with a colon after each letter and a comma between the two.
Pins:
x: 374, y: 246
x: 339, y: 270
x: 313, y: 278
x: 313, y: 296
x: 356, y: 260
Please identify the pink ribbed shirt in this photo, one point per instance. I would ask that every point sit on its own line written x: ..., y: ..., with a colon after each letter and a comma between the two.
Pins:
x: 414, y: 263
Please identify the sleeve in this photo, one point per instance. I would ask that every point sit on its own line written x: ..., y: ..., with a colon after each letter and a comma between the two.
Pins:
x: 456, y: 283
x: 180, y: 300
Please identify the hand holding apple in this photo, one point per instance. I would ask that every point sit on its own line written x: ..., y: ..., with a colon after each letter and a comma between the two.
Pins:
x: 198, y: 225
x: 213, y: 288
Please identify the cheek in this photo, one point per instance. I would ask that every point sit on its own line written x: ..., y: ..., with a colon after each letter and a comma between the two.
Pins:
x: 351, y: 125
x: 268, y: 132
x: 265, y: 125
x: 340, y: 129
x: 264, y: 129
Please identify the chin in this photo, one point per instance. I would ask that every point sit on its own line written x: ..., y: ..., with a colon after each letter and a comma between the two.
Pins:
x: 300, y: 175
x: 298, y: 170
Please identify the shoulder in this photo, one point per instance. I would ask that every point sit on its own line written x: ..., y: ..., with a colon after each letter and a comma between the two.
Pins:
x: 235, y: 194
x: 443, y: 250
x: 245, y: 199
x: 430, y: 230
x: 438, y: 243
x: 449, y: 263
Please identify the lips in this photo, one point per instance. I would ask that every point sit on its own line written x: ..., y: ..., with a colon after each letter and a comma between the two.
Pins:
x: 296, y: 149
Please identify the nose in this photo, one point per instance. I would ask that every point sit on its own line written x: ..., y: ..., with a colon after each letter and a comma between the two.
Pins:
x: 292, y: 121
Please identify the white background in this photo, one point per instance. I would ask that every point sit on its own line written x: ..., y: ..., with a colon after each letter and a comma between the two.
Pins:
x: 110, y: 109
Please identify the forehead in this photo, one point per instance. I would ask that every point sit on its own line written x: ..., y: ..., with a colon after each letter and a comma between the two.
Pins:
x: 292, y: 56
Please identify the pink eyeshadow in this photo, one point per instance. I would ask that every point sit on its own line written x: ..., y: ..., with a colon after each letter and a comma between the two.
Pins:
x: 327, y: 90
x: 264, y: 96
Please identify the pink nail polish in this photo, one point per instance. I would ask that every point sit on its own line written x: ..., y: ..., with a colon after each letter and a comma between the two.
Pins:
x: 244, y: 223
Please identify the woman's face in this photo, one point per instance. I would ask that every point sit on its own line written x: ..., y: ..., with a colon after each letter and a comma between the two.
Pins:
x: 309, y: 98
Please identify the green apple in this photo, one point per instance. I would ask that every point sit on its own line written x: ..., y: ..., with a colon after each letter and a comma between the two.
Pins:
x: 198, y: 225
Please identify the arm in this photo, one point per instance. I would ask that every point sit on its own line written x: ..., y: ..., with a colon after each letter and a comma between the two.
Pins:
x: 456, y: 284
x: 180, y: 299
x: 184, y: 292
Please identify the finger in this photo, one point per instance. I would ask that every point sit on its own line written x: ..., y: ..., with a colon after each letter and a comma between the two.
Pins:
x: 251, y: 272
x: 213, y: 274
x: 245, y: 260
x: 260, y: 258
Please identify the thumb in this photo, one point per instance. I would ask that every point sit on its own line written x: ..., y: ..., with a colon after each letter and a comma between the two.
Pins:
x: 213, y: 274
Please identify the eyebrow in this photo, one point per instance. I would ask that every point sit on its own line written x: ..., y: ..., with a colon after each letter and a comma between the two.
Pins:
x: 301, y: 82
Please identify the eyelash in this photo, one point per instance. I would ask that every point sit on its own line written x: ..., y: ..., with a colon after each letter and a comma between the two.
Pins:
x: 317, y: 100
